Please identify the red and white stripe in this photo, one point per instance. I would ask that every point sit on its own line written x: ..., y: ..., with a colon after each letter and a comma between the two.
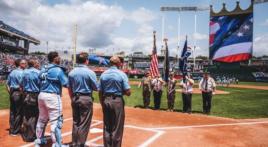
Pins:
x: 213, y: 28
x: 154, y: 65
x: 234, y: 53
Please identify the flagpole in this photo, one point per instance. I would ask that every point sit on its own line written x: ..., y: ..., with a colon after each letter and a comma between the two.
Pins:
x: 163, y: 27
x: 179, y: 32
x: 74, y: 47
x: 195, y: 25
x: 179, y: 29
x: 166, y: 66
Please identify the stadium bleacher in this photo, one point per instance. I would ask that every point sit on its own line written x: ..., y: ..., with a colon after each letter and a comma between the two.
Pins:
x: 13, y: 30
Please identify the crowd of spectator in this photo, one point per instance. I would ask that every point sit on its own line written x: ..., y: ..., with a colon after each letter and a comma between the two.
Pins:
x: 7, y: 62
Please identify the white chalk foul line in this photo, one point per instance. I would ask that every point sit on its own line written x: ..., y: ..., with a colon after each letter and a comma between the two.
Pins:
x: 159, y: 131
x: 91, y: 142
x: 144, y: 144
x: 151, y: 139
x: 63, y: 134
x: 211, y: 125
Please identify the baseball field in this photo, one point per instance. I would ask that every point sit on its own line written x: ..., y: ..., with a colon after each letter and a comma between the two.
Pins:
x: 239, y: 118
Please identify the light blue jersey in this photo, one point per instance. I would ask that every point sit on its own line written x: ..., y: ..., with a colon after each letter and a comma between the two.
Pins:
x: 114, y: 81
x: 15, y: 78
x: 52, y: 79
x: 30, y: 80
x: 82, y: 80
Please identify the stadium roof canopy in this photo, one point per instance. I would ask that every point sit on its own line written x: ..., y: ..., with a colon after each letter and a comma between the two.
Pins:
x: 14, y: 32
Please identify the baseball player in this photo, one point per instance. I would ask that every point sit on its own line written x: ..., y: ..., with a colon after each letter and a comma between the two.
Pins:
x: 16, y: 99
x: 49, y: 100
x: 208, y: 86
x: 82, y: 82
x: 113, y: 85
x: 171, y: 92
x: 30, y: 87
x: 146, y: 89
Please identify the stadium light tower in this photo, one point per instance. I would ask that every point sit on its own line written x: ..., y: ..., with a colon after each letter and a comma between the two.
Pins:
x: 47, y: 46
x: 182, y: 9
x: 259, y: 1
x: 74, y: 41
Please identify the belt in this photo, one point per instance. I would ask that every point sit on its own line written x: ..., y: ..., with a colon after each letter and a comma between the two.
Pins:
x: 15, y: 89
x: 82, y: 94
x: 207, y: 91
x: 113, y: 95
x: 50, y: 92
x: 31, y: 92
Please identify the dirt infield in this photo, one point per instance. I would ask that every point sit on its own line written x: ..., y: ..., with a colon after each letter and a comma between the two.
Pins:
x: 250, y: 87
x: 145, y: 127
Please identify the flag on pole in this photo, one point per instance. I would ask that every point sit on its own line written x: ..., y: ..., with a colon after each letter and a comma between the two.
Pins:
x: 154, y: 60
x: 166, y: 64
x: 186, y: 52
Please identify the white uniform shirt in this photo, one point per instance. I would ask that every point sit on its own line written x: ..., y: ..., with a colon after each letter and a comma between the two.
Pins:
x: 157, y: 84
x: 207, y: 85
x: 186, y: 87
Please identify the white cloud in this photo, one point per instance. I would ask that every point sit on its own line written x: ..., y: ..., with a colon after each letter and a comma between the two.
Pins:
x: 143, y: 40
x: 96, y: 22
x: 142, y: 16
x: 260, y: 46
x: 199, y: 36
x: 265, y: 23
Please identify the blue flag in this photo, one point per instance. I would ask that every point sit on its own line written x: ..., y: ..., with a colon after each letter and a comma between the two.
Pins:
x: 186, y: 52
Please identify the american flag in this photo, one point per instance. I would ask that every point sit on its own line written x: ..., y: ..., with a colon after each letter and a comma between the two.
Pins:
x: 154, y: 61
x: 231, y: 37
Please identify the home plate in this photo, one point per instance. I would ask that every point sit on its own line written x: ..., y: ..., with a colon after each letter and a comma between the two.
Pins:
x: 96, y: 130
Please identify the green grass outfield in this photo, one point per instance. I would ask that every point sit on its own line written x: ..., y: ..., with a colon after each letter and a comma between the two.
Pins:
x: 4, y: 97
x: 240, y: 103
x: 254, y: 83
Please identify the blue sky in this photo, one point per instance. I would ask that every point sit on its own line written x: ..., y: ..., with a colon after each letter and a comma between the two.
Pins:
x: 128, y: 23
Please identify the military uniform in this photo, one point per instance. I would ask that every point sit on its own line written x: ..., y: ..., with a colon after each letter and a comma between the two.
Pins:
x: 171, y: 93
x: 187, y: 90
x: 16, y: 101
x: 113, y: 83
x: 50, y: 104
x: 82, y: 82
x: 207, y: 86
x: 146, y: 91
x: 30, y: 86
x: 157, y: 91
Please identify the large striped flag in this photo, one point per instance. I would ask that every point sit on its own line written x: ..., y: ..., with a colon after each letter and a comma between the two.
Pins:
x: 154, y: 60
x: 231, y: 37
